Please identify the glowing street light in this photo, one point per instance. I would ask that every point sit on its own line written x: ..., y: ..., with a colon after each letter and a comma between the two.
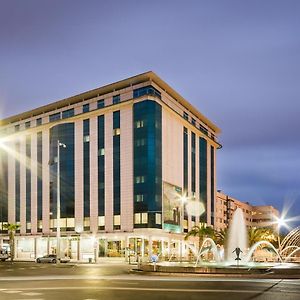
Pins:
x: 59, y: 144
x: 281, y: 222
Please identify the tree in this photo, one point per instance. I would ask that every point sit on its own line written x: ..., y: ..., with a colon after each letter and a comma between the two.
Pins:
x: 202, y: 232
x: 261, y: 234
x: 11, y: 232
x: 221, y: 236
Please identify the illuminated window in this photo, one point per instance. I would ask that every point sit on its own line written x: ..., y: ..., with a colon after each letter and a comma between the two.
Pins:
x: 116, y: 131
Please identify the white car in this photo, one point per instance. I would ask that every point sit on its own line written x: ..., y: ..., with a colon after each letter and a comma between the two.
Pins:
x: 52, y: 258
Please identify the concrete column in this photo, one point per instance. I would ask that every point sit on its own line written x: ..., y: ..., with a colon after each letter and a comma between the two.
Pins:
x: 79, y: 176
x: 109, y: 172
x: 78, y: 248
x: 22, y: 159
x: 35, y: 248
x: 208, y: 186
x: 189, y: 174
x: 197, y: 176
x: 126, y: 145
x: 46, y: 185
x: 11, y: 184
x: 150, y: 246
x: 94, y: 174
x: 34, y: 168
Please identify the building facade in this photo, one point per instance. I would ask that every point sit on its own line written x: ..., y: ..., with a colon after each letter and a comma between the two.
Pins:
x: 255, y: 215
x: 132, y: 165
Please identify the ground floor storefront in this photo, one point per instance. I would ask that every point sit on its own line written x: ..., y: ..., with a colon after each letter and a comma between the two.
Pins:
x: 140, y: 244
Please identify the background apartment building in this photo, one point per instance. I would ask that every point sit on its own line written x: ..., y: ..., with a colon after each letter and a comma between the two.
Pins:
x: 255, y: 216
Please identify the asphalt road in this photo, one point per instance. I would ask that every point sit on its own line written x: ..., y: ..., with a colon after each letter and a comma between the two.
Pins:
x: 29, y: 281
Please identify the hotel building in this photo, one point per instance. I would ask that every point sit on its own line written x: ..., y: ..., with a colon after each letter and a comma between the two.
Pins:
x: 132, y: 164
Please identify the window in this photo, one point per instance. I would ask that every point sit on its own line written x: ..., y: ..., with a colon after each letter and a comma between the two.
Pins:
x: 116, y: 99
x: 101, y: 221
x: 139, y: 198
x: 203, y: 129
x: 85, y: 108
x: 139, y: 124
x: 141, y: 218
x: 101, y: 152
x: 137, y: 218
x: 27, y: 124
x: 147, y: 90
x: 144, y: 218
x: 54, y: 117
x: 117, y: 220
x: 158, y: 219
x: 38, y: 121
x: 100, y: 103
x: 185, y: 116
x: 17, y: 128
x: 193, y: 121
x: 139, y: 179
x: 141, y: 142
x: 117, y: 131
x: 68, y: 113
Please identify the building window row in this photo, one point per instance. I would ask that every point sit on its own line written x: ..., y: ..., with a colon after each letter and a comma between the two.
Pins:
x: 147, y: 90
x: 198, y: 126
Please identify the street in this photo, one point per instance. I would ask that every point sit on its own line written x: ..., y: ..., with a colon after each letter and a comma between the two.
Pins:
x: 29, y: 281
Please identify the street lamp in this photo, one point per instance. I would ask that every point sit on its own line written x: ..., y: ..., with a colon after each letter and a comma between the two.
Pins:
x: 59, y: 144
x: 281, y: 222
x: 183, y: 200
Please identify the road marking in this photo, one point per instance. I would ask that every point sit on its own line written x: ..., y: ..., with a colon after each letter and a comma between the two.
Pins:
x: 146, y: 289
x: 136, y: 278
x: 30, y: 299
x: 11, y: 291
x: 32, y: 294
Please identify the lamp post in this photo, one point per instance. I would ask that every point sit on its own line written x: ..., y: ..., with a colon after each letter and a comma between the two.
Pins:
x: 280, y: 222
x: 183, y: 200
x: 59, y: 144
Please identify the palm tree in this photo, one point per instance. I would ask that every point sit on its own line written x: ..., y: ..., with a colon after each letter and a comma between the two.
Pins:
x: 259, y: 234
x: 11, y: 231
x: 200, y: 231
x: 221, y: 236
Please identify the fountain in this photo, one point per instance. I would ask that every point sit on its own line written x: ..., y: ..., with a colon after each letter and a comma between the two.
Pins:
x: 237, y: 258
x: 213, y: 248
x: 256, y: 245
x: 238, y: 237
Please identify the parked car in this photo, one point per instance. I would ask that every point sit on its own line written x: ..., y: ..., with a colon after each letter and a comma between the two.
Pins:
x: 4, y: 255
x: 52, y: 258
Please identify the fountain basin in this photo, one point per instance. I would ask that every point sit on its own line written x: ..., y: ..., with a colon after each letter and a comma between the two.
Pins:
x: 261, y: 270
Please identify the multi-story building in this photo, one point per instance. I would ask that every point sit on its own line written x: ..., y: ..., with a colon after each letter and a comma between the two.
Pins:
x: 265, y: 216
x: 255, y: 216
x: 106, y: 172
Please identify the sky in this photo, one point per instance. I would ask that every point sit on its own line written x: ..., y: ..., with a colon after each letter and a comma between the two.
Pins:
x: 237, y: 62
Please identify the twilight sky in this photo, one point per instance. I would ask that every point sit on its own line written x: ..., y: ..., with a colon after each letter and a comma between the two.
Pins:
x: 238, y: 62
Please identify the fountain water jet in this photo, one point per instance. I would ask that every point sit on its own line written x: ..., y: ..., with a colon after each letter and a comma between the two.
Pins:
x: 292, y: 253
x: 256, y: 245
x: 213, y: 249
x: 238, y: 237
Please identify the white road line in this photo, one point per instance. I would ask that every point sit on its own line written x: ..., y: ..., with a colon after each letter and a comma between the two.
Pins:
x: 7, y: 291
x: 32, y: 294
x: 142, y: 278
x: 30, y: 299
x: 145, y: 289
